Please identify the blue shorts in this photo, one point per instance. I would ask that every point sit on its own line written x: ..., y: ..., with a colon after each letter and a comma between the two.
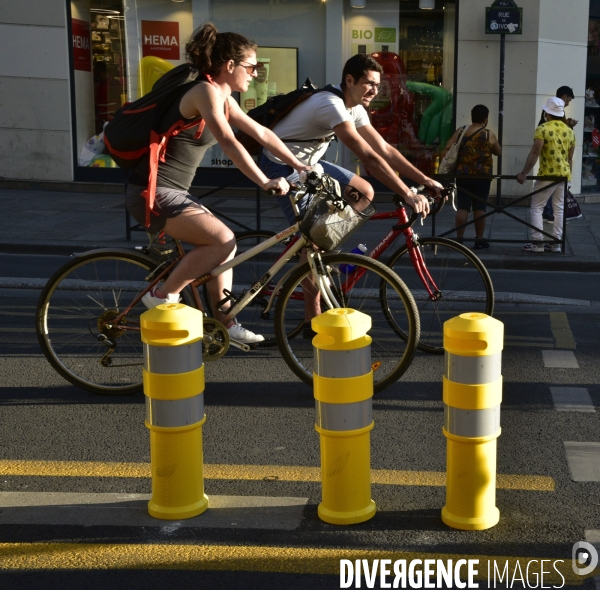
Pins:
x: 274, y: 170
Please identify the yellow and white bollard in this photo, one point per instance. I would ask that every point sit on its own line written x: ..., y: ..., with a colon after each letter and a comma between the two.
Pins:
x: 472, y: 394
x: 174, y: 389
x: 343, y: 389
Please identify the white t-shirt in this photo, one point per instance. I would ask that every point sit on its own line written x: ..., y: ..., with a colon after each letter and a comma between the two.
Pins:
x: 315, y: 118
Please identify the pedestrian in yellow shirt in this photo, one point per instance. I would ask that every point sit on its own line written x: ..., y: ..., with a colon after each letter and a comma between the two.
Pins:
x: 553, y: 145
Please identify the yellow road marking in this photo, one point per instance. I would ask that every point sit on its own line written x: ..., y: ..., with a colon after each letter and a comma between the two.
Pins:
x: 559, y: 323
x: 539, y: 483
x: 299, y: 560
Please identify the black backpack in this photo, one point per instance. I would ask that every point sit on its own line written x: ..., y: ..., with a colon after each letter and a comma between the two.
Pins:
x: 277, y: 107
x: 138, y: 130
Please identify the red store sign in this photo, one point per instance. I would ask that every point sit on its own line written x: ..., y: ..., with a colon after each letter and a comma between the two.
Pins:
x: 161, y: 39
x: 82, y: 56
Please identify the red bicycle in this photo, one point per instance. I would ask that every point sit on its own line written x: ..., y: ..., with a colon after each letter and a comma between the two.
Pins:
x: 444, y: 277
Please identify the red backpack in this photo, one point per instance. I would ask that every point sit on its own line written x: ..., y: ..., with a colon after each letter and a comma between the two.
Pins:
x: 138, y: 131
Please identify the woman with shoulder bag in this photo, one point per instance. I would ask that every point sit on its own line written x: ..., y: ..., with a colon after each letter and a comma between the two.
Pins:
x: 474, y: 157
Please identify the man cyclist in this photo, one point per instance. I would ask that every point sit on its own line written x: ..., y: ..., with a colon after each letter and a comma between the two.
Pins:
x: 308, y: 128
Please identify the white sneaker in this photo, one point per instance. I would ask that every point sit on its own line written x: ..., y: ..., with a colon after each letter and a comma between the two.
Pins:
x: 552, y: 248
x: 150, y: 300
x: 533, y: 248
x: 242, y: 335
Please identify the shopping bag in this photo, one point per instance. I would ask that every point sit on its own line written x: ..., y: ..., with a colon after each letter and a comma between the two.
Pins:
x: 448, y: 163
x: 573, y: 210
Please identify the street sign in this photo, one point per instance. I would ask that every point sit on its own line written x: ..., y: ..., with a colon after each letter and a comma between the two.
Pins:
x: 504, y: 17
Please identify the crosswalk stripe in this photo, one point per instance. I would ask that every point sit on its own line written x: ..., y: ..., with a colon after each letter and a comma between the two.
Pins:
x: 271, y: 559
x: 572, y: 399
x: 559, y: 324
x: 559, y: 359
x: 257, y: 472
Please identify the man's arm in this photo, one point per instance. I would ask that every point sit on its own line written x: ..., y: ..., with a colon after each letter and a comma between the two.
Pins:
x: 532, y: 158
x: 264, y: 136
x: 377, y: 165
x: 395, y: 160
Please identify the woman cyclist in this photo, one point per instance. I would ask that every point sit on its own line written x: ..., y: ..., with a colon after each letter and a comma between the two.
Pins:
x: 228, y: 61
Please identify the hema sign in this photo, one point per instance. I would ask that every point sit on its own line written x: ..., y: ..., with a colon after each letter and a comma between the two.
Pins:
x: 161, y: 39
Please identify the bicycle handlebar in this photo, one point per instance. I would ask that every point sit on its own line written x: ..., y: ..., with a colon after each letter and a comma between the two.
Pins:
x: 436, y: 202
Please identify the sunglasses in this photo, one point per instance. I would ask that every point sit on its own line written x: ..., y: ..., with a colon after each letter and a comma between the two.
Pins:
x: 250, y: 68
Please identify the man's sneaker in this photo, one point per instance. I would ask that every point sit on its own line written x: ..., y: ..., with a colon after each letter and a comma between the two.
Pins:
x: 242, y: 335
x: 150, y: 300
x: 552, y: 248
x: 533, y: 248
x: 548, y: 218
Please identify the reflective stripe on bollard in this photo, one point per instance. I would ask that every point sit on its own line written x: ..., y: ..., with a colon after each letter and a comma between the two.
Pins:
x: 343, y: 389
x: 173, y: 377
x: 472, y: 390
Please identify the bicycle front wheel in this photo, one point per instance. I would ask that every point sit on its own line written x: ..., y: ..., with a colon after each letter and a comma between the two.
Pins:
x: 362, y: 289
x: 74, y: 321
x: 462, y: 281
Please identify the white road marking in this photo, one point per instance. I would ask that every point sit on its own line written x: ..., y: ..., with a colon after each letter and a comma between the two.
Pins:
x: 240, y: 512
x: 584, y: 460
x: 572, y: 399
x: 559, y: 359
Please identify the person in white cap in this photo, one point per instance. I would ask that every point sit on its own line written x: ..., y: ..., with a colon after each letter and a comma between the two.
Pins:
x: 553, y: 145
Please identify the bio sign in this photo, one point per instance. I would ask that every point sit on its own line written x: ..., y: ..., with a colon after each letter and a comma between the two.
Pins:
x: 504, y: 17
x: 367, y: 39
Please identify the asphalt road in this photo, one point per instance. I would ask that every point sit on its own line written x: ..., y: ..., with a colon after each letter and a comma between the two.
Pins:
x: 259, y: 415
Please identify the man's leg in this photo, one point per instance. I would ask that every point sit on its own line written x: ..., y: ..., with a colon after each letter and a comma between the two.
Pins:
x: 537, y: 206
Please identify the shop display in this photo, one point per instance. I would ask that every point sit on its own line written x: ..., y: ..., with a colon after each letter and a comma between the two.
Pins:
x: 108, y: 66
x: 261, y: 82
x: 248, y: 98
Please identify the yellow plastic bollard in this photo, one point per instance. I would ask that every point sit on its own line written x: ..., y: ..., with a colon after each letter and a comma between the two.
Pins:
x: 472, y: 395
x: 174, y: 389
x: 343, y: 389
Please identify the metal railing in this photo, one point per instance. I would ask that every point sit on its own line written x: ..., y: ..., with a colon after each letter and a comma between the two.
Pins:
x: 498, y: 207
x: 137, y: 227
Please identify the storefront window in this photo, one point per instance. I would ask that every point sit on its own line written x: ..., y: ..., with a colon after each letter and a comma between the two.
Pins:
x: 124, y: 46
x: 414, y: 109
x: 100, y: 76
x: 590, y: 166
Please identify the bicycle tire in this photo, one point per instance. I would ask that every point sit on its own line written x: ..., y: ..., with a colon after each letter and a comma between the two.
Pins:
x: 462, y: 278
x: 394, y: 353
x: 247, y: 273
x: 83, y: 293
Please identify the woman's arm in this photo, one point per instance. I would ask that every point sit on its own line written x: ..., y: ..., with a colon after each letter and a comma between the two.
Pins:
x: 496, y: 147
x: 206, y: 100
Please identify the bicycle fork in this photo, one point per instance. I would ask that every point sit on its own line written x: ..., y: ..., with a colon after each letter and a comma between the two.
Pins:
x: 320, y: 274
x: 417, y: 259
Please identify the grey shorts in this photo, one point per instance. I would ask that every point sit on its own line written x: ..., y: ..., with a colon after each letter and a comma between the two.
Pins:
x: 168, y: 203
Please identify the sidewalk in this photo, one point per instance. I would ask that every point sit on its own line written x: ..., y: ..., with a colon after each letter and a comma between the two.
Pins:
x: 47, y: 222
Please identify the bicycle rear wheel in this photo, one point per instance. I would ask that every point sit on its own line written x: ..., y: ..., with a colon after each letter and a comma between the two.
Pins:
x: 463, y: 282
x: 391, y: 355
x: 74, y: 321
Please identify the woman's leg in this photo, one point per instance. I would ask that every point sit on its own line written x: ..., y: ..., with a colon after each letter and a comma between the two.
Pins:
x: 215, y: 244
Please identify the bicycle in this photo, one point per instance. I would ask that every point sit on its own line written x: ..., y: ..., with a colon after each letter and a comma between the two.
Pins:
x: 449, y: 279
x: 87, y: 318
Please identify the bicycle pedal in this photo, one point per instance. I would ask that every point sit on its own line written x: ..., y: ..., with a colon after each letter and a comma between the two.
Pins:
x: 241, y: 345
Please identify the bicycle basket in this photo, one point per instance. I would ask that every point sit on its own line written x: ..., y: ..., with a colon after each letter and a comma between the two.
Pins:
x: 334, y: 214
